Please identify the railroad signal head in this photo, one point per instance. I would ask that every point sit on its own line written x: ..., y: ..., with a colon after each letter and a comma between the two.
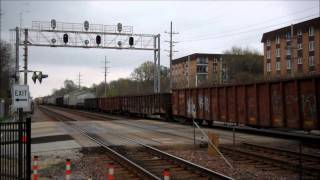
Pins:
x: 41, y: 76
x: 34, y: 77
x: 119, y: 44
x: 53, y: 40
x: 119, y: 27
x: 53, y: 24
x: 131, y: 41
x: 86, y: 42
x: 86, y: 25
x: 65, y: 38
x: 98, y: 39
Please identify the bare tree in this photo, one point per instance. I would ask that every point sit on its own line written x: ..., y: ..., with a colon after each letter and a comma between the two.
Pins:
x: 6, y: 70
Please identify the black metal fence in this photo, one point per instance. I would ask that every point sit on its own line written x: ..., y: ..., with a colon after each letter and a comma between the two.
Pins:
x: 15, y: 150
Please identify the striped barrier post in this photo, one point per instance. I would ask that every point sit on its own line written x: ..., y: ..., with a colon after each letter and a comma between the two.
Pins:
x: 35, y: 168
x: 110, y: 171
x: 166, y: 174
x: 68, y: 169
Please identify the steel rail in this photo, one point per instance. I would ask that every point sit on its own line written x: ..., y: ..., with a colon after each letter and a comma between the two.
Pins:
x: 165, y: 155
x: 119, y: 156
x: 291, y: 152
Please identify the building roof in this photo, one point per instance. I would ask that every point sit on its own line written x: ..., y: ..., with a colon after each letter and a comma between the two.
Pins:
x: 302, y: 25
x: 193, y: 56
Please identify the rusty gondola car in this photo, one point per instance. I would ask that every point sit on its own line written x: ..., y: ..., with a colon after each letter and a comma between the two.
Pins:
x: 140, y: 105
x: 292, y: 103
x: 145, y: 105
x: 91, y: 104
x: 110, y: 104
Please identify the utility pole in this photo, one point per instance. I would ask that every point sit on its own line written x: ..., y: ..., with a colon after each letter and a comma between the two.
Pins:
x: 0, y: 20
x: 105, y: 74
x: 26, y: 57
x: 79, y: 80
x: 17, y: 55
x: 171, y: 51
x: 188, y: 76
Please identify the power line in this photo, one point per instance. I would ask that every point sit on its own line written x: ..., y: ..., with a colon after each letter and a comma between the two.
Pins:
x: 171, y: 42
x: 262, y: 22
x: 247, y: 31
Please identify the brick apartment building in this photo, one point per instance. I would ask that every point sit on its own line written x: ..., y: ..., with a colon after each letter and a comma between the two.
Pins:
x: 292, y: 50
x: 198, y: 69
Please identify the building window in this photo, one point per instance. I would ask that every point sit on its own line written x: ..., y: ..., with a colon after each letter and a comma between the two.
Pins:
x: 311, y: 46
x: 277, y: 39
x: 268, y: 42
x: 311, y: 61
x: 278, y: 52
x: 214, y: 69
x: 202, y: 60
x: 202, y: 69
x: 278, y: 65
x: 311, y: 31
x: 288, y: 64
x: 299, y: 46
x: 268, y: 67
x: 202, y: 78
x: 215, y: 60
x: 288, y: 50
x: 299, y: 61
x: 268, y: 54
x: 299, y: 32
x: 288, y: 36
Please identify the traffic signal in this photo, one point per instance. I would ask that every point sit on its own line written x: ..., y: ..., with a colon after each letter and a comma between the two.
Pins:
x: 119, y: 27
x: 131, y: 41
x: 98, y: 39
x: 65, y: 38
x: 34, y: 77
x: 41, y: 76
x: 86, y: 25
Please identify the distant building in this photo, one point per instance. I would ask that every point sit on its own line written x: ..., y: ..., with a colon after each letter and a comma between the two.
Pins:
x: 198, y: 69
x: 292, y: 50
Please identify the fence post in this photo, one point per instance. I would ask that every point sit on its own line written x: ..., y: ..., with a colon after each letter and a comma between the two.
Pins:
x: 28, y: 148
x: 20, y: 158
x: 300, y: 160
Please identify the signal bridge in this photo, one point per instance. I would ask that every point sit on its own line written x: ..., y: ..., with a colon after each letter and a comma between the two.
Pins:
x: 86, y: 35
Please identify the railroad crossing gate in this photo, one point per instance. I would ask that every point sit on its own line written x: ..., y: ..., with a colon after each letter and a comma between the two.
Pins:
x: 15, y: 150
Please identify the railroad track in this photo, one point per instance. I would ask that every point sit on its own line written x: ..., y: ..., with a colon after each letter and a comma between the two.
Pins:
x: 145, y: 162
x: 263, y: 157
x: 274, y: 159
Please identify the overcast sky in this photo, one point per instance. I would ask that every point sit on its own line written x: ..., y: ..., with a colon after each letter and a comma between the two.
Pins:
x: 204, y: 27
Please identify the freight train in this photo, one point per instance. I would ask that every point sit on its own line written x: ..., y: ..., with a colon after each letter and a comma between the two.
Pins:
x: 290, y: 104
